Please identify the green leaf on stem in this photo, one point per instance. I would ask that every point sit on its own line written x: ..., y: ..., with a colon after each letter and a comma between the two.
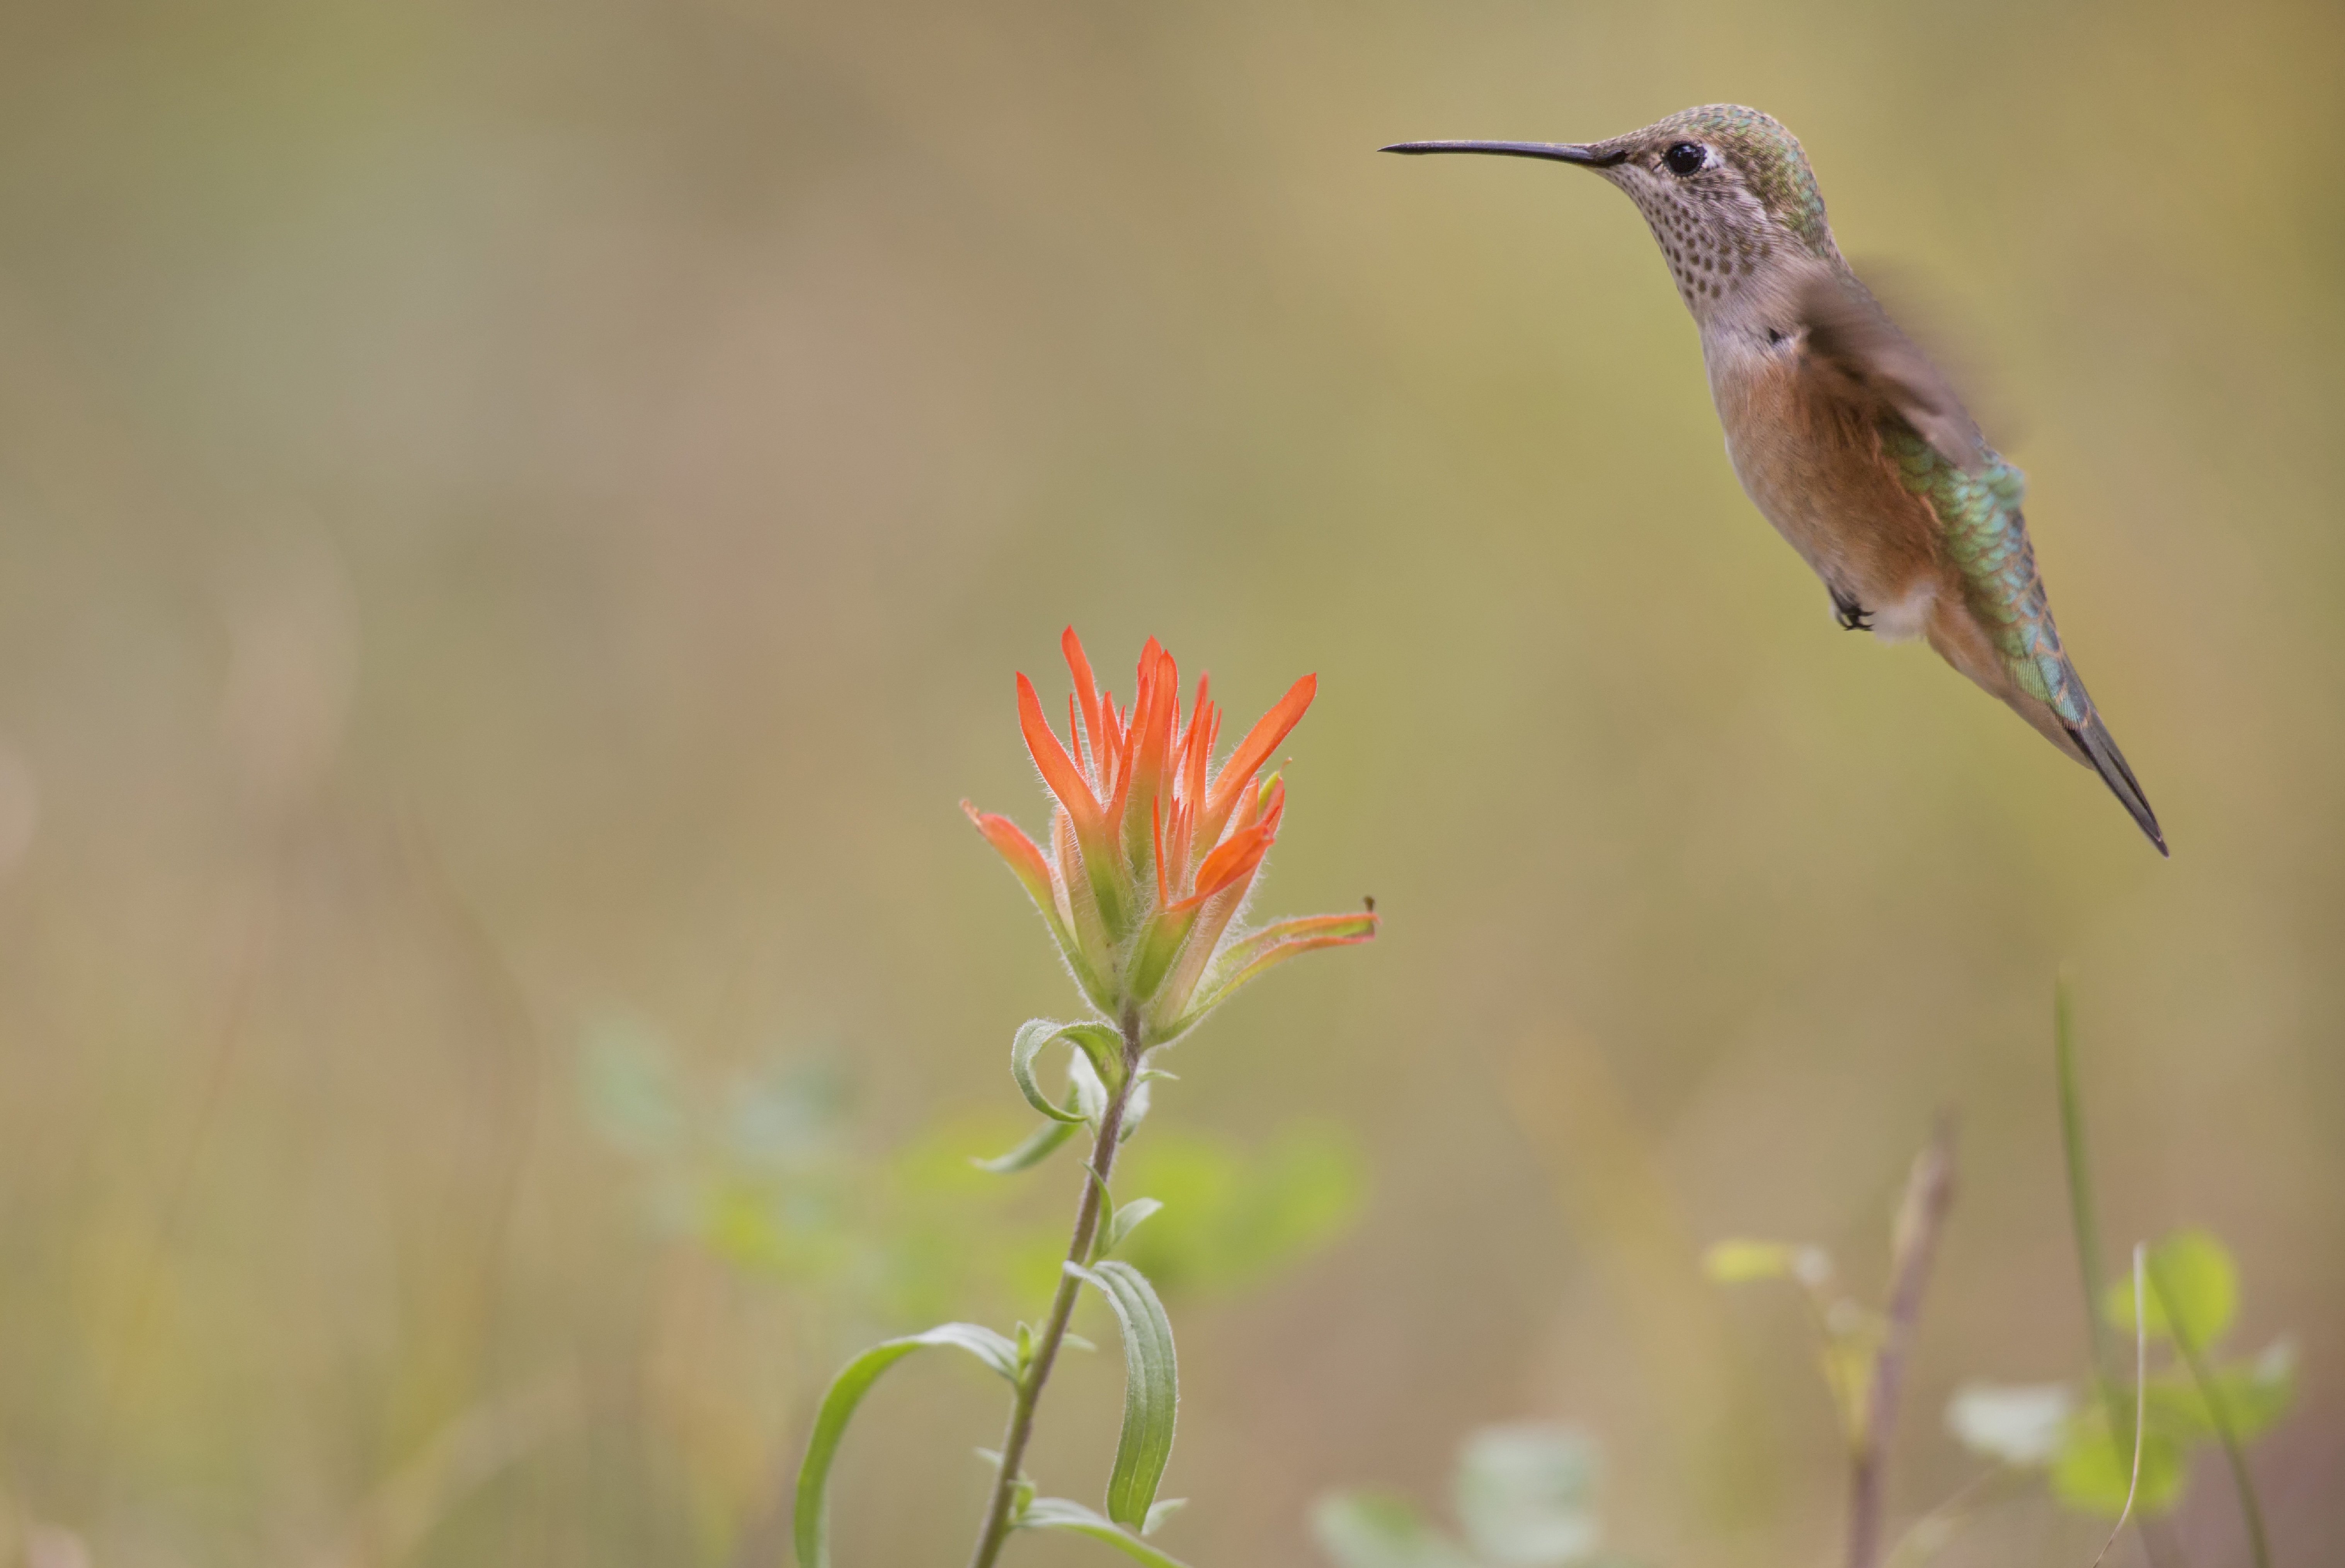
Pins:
x: 1091, y: 1094
x: 1037, y: 1146
x: 1162, y: 1508
x: 1151, y: 1390
x: 2195, y: 1276
x: 1059, y: 1513
x: 1135, y: 1109
x: 1375, y: 1530
x: 1127, y: 1219
x: 810, y: 1529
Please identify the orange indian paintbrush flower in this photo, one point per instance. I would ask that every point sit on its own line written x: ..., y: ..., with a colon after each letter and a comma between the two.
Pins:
x: 1153, y: 850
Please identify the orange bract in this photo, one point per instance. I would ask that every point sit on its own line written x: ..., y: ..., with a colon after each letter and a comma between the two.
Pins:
x: 1155, y: 851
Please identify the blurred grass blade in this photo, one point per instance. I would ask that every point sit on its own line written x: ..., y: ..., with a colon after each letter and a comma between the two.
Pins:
x: 1036, y: 1147
x: 1151, y: 1390
x: 2140, y: 1396
x: 2081, y: 1211
x: 2173, y: 1303
x: 1059, y: 1513
x: 810, y: 1527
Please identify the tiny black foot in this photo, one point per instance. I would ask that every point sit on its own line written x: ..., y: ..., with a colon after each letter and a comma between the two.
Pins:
x: 1852, y: 616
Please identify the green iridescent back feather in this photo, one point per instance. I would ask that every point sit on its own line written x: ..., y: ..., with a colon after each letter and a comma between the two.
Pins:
x: 1986, y: 535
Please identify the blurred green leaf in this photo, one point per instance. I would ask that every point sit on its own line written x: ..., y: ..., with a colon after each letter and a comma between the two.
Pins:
x: 1526, y: 1494
x: 785, y: 1114
x: 2094, y: 1470
x: 628, y: 1081
x: 2020, y: 1424
x: 810, y: 1527
x: 2259, y: 1393
x: 1164, y: 1509
x: 773, y: 1232
x: 934, y: 1167
x: 1059, y: 1513
x: 2196, y: 1275
x: 1376, y: 1530
x: 1228, y: 1220
x: 1739, y: 1261
x: 940, y: 1230
x: 1151, y: 1390
x: 1363, y: 1529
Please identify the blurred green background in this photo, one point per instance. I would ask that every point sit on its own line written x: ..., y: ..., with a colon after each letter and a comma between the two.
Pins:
x: 516, y: 524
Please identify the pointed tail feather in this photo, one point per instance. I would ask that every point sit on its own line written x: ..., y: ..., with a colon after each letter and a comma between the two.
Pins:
x: 2100, y: 748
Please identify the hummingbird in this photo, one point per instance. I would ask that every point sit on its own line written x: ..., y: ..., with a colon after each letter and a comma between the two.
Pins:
x: 1842, y: 433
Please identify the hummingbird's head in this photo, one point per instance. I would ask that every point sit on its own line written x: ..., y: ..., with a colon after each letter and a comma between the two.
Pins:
x: 1727, y: 191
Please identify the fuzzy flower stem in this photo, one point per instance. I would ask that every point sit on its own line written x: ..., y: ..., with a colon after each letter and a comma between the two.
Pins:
x: 995, y: 1531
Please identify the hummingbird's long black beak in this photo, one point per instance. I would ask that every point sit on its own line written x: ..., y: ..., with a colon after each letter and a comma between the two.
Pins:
x: 1561, y: 151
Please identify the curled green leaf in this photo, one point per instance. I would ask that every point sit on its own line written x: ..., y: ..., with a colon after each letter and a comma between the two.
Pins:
x: 810, y: 1528
x: 1151, y: 1390
x: 1104, y: 1044
x: 1024, y: 1046
x: 1059, y: 1513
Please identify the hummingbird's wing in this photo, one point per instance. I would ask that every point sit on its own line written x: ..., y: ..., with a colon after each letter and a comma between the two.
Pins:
x: 2002, y: 634
x: 1859, y: 355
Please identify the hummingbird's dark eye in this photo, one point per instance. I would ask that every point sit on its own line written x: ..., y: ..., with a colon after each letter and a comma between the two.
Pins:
x: 1685, y: 158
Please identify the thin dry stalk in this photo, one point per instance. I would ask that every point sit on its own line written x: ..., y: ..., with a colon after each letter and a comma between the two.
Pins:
x: 1929, y: 1193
